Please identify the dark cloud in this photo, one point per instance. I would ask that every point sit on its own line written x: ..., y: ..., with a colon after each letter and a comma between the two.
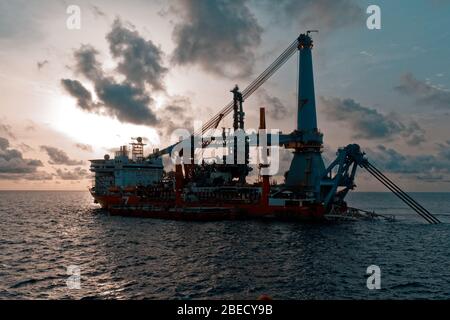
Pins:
x: 414, y: 134
x: 140, y: 60
x: 59, y: 157
x: 423, y: 166
x: 432, y: 177
x: 128, y: 101
x: 41, y: 64
x: 176, y: 114
x: 221, y: 36
x: 323, y: 15
x: 12, y: 162
x: 4, y: 144
x: 14, y: 167
x: 97, y: 11
x: 119, y: 100
x: 174, y: 109
x: 80, y: 93
x: 177, y: 104
x: 75, y: 174
x: 367, y: 123
x: 444, y: 150
x: 84, y: 147
x: 34, y: 176
x: 6, y: 130
x: 423, y: 93
x: 274, y: 107
x: 86, y: 63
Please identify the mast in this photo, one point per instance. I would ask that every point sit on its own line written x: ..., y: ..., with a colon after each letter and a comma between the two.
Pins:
x: 307, y: 167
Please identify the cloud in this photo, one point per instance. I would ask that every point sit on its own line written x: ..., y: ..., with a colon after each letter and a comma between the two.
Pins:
x: 84, y: 147
x: 6, y: 130
x: 324, y: 15
x: 414, y: 134
x: 177, y: 114
x: 123, y: 101
x: 59, y: 157
x: 423, y: 167
x: 274, y: 107
x: 444, y: 150
x: 367, y: 123
x: 140, y: 60
x: 127, y: 101
x: 431, y: 177
x: 34, y: 176
x: 12, y: 163
x: 75, y: 174
x: 220, y: 36
x: 424, y: 93
x: 80, y: 93
x: 97, y: 12
x: 86, y: 63
x: 41, y: 64
x: 140, y: 65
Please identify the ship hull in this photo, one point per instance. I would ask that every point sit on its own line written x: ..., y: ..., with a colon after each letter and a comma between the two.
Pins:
x: 134, y: 206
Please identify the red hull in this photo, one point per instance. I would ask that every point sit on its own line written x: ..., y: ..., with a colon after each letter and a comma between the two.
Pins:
x: 134, y: 206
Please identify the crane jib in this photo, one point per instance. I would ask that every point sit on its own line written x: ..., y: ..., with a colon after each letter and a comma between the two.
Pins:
x: 258, y: 82
x: 246, y: 93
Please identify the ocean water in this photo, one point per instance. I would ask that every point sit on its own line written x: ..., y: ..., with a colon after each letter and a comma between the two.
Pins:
x: 43, y: 233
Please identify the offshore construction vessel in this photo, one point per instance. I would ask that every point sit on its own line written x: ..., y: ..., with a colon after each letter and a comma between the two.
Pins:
x: 132, y: 184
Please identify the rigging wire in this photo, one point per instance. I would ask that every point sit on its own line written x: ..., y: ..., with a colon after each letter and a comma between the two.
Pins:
x: 424, y: 213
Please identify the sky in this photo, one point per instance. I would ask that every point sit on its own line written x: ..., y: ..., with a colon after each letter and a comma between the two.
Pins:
x: 143, y: 68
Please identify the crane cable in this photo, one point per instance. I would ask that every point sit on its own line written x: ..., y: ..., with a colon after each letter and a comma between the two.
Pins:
x: 424, y: 213
x: 247, y: 92
x: 255, y: 84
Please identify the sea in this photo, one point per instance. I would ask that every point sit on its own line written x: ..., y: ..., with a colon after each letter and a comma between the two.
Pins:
x: 60, y: 245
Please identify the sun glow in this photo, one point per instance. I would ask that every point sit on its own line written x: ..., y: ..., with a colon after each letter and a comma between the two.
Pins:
x: 99, y: 131
x: 160, y: 100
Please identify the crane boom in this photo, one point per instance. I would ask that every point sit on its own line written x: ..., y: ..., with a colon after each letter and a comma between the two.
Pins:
x: 258, y: 82
x: 214, y: 122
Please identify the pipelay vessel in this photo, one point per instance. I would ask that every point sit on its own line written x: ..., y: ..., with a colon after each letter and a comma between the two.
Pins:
x: 132, y: 184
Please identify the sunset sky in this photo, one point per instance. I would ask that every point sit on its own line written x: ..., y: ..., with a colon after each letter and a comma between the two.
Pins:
x: 144, y: 68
